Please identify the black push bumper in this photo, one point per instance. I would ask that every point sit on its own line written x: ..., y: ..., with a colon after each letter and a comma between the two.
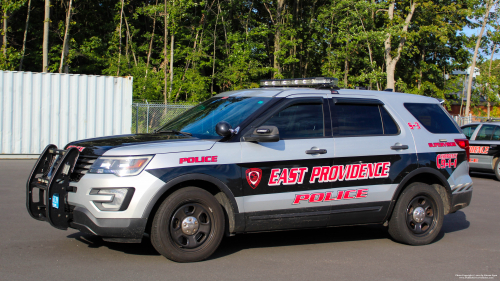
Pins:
x: 51, y: 176
x: 460, y: 200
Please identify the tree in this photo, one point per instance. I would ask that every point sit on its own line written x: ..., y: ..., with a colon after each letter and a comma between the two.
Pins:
x: 46, y: 23
x: 188, y: 50
x: 25, y: 35
x: 63, y: 66
x: 489, y: 5
x: 396, y: 25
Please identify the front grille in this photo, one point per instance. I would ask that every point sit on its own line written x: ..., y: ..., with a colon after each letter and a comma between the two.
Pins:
x: 82, y: 166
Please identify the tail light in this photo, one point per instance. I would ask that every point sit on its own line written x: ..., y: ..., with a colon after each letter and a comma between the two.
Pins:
x: 464, y: 143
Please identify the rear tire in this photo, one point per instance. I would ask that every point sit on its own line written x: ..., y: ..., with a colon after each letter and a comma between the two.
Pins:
x: 418, y: 215
x: 497, y: 169
x: 188, y: 225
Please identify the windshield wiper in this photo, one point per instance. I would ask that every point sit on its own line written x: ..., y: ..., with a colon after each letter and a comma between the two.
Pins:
x: 174, y: 132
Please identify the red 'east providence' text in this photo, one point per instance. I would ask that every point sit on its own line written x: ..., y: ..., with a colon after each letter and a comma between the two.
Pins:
x: 322, y: 174
x: 350, y: 172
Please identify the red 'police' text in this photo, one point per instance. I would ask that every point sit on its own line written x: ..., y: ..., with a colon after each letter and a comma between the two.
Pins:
x: 330, y: 196
x: 202, y: 159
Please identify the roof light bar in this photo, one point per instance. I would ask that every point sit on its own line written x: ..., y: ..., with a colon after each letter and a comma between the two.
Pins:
x: 301, y: 82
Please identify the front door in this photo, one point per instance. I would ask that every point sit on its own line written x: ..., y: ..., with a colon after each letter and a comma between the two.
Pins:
x: 375, y: 151
x: 278, y: 177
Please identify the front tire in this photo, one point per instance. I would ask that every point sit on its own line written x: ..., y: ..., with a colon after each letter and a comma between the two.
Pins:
x: 497, y: 169
x: 188, y: 225
x: 418, y: 215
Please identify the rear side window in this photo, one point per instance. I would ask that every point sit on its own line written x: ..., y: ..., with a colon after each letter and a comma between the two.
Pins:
x: 486, y: 132
x: 432, y: 117
x: 468, y: 131
x: 496, y: 134
x: 362, y: 120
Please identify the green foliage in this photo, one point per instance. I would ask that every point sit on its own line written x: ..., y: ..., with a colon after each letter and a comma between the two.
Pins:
x: 230, y: 45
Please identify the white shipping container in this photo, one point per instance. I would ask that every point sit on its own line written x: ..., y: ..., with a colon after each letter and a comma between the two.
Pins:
x: 37, y: 109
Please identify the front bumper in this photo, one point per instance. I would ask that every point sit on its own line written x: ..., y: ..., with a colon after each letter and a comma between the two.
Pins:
x: 79, y: 206
x: 110, y: 229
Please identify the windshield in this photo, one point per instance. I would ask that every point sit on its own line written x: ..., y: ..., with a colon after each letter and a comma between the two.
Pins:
x: 200, y: 120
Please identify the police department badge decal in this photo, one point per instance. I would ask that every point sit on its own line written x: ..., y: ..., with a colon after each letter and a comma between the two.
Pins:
x: 254, y: 176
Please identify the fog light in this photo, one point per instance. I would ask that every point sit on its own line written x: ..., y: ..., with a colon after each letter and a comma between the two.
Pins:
x: 119, y: 201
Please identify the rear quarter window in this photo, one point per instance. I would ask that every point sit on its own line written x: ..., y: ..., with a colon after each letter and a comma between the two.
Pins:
x: 432, y: 117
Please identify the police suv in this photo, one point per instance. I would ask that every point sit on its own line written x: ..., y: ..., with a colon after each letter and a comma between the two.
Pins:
x: 282, y: 156
x: 484, y: 146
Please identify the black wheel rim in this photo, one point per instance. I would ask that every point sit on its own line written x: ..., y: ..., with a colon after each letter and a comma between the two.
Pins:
x: 195, y: 215
x: 421, y: 215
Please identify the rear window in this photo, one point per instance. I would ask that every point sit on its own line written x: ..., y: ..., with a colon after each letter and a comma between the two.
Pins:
x: 432, y: 117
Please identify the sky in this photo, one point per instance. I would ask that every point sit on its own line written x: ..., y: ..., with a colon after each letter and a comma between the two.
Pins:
x: 469, y: 31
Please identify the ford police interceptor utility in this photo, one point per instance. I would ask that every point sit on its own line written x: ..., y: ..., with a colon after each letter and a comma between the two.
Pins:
x: 278, y: 157
x: 484, y: 146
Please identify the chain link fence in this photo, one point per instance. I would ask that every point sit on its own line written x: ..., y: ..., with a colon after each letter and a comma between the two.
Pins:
x: 464, y: 120
x: 146, y: 117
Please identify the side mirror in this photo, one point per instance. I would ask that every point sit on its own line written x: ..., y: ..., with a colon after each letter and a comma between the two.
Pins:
x: 223, y: 129
x: 263, y: 134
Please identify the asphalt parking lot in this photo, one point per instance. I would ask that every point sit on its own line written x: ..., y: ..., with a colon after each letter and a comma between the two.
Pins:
x: 469, y: 244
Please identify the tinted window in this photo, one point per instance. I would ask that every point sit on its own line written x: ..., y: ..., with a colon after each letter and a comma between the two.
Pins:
x: 299, y: 121
x: 356, y: 119
x: 390, y: 127
x: 432, y: 117
x: 468, y: 131
x: 496, y: 134
x: 486, y: 132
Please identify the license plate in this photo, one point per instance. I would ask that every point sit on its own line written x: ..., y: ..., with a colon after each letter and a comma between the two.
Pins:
x: 55, y: 201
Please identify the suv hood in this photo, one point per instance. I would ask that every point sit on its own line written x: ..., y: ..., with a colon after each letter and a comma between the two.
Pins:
x: 140, y: 144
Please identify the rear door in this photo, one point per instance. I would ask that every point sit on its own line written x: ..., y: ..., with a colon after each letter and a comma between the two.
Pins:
x: 374, y: 151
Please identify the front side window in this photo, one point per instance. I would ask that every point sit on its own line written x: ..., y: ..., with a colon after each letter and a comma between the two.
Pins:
x: 200, y: 121
x: 362, y: 120
x: 432, y: 117
x: 486, y: 132
x: 468, y: 131
x: 299, y: 121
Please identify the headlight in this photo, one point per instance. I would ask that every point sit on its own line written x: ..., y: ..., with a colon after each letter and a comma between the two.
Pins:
x: 120, y: 166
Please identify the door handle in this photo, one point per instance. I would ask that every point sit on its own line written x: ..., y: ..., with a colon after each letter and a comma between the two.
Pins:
x: 398, y: 146
x: 316, y: 151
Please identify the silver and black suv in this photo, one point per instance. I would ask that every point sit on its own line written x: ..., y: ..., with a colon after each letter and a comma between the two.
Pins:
x: 295, y: 153
x: 484, y: 146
